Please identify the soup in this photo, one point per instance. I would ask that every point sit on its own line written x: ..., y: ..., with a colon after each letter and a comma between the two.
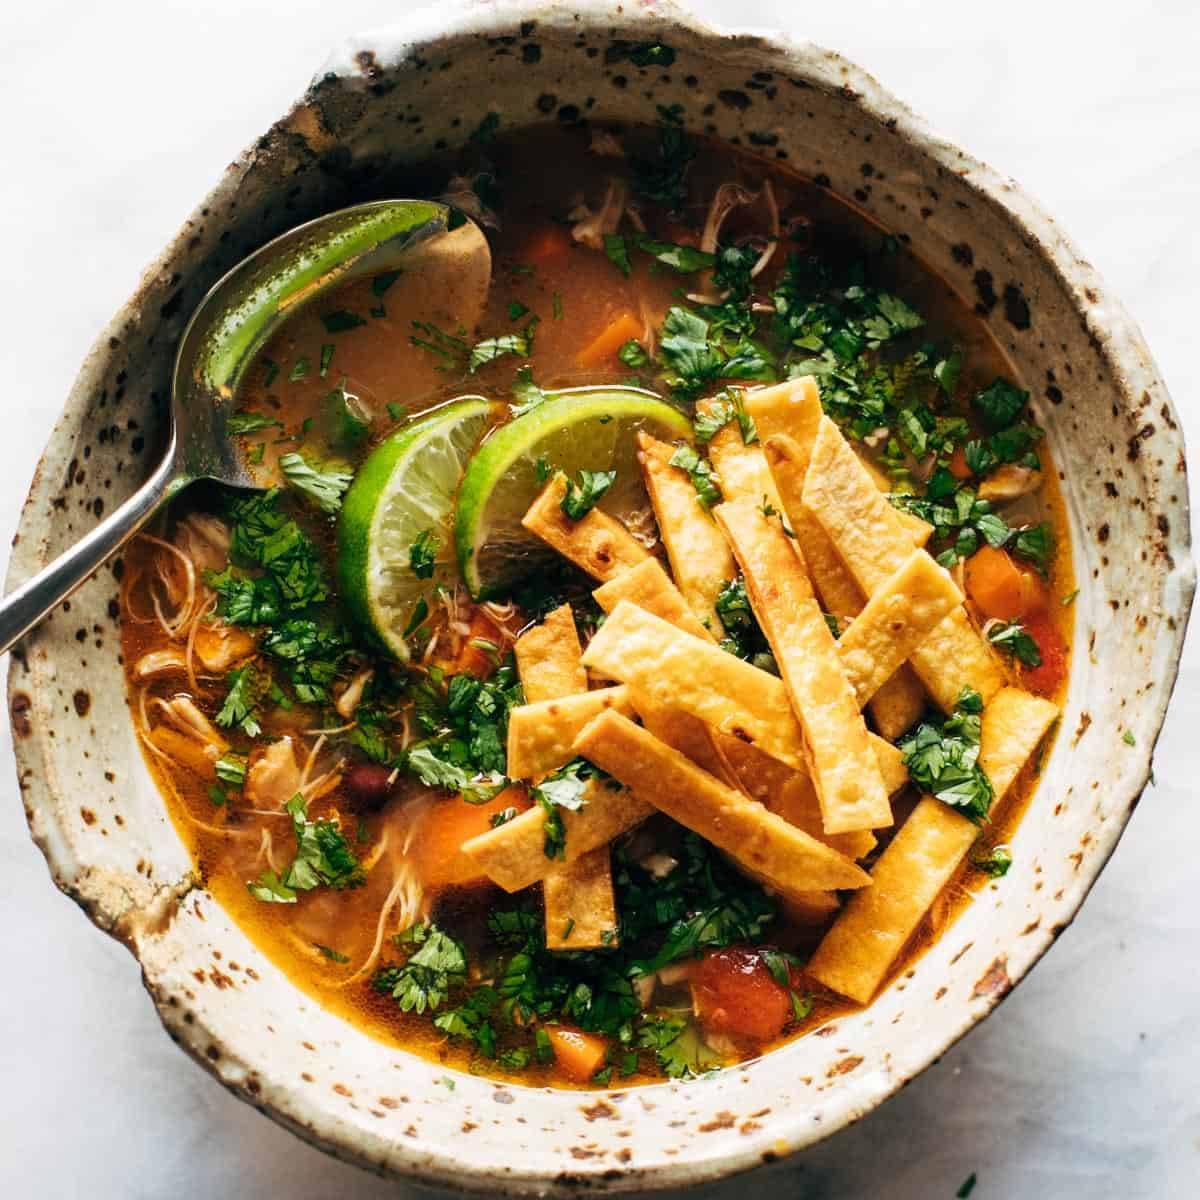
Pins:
x: 624, y: 680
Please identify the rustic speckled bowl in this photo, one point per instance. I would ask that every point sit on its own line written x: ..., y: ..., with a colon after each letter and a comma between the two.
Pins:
x: 385, y: 99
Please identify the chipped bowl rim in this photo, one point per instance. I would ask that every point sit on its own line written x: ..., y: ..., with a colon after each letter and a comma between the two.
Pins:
x: 1119, y: 342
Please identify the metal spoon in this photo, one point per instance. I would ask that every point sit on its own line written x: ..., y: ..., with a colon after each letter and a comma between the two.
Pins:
x: 233, y: 322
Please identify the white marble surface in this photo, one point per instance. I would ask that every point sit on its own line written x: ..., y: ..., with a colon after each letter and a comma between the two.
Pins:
x: 119, y: 116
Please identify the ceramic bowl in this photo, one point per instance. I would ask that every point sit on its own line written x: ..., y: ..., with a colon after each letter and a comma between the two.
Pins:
x: 399, y: 95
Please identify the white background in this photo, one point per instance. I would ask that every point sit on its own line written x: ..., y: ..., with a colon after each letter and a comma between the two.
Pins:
x: 117, y: 117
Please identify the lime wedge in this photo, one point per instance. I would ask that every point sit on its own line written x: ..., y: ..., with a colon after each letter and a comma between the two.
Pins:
x: 406, y: 486
x: 582, y: 428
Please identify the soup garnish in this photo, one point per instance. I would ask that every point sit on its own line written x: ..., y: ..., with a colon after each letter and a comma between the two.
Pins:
x: 629, y: 683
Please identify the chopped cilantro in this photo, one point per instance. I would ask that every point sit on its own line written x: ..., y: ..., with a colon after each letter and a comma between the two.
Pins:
x: 324, y: 488
x: 311, y: 654
x: 526, y: 394
x: 1014, y: 640
x: 617, y: 250
x: 264, y: 536
x: 340, y: 321
x: 326, y: 358
x: 384, y: 280
x: 699, y: 470
x: 451, y: 350
x: 493, y: 348
x: 241, y: 423
x: 429, y: 974
x: 633, y: 354
x: 995, y: 863
x: 231, y: 768
x: 1000, y: 404
x: 583, y: 493
x: 516, y: 310
x: 240, y: 708
x: 330, y: 953
x: 1128, y: 738
x: 677, y: 1046
x: 661, y: 178
x: 344, y: 420
x: 942, y: 757
x: 1035, y: 543
x: 684, y: 259
x: 299, y: 370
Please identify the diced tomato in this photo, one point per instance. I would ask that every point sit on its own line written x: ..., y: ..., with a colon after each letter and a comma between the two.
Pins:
x: 1053, y: 649
x: 958, y: 464
x: 475, y: 659
x: 437, y: 844
x: 736, y: 994
x: 999, y: 588
x: 579, y: 1054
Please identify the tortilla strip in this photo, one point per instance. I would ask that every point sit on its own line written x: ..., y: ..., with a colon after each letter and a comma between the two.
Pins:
x: 700, y: 559
x: 790, y: 794
x: 649, y: 587
x: 896, y: 620
x: 581, y: 911
x: 579, y: 902
x: 685, y: 733
x: 548, y: 658
x: 676, y: 670
x: 597, y: 543
x: 873, y: 544
x: 760, y: 841
x: 741, y: 469
x: 540, y: 735
x: 878, y: 921
x: 900, y: 700
x: 838, y: 753
x: 513, y: 855
x: 1013, y: 725
x: 920, y: 531
x: 792, y: 407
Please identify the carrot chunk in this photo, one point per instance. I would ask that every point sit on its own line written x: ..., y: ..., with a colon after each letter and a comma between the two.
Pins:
x: 473, y: 658
x: 994, y: 584
x: 610, y: 339
x: 439, y: 837
x: 958, y: 464
x: 736, y: 994
x: 579, y: 1054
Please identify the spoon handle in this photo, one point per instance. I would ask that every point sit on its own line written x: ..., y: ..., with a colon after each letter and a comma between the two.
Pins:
x: 24, y: 607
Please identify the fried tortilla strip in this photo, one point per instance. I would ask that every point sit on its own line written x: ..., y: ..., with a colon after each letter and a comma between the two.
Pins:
x: 878, y: 921
x: 581, y: 911
x: 742, y: 469
x: 873, y: 544
x: 1013, y: 725
x: 549, y: 658
x: 700, y: 559
x: 900, y: 700
x: 579, y: 902
x: 596, y: 543
x: 900, y: 615
x: 649, y: 587
x: 673, y: 669
x: 788, y: 793
x: 685, y: 733
x: 920, y: 531
x: 514, y: 857
x: 760, y: 841
x: 838, y: 752
x: 540, y: 735
x: 676, y: 670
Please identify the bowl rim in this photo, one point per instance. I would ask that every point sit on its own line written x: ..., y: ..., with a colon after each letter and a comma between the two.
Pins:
x: 1119, y: 342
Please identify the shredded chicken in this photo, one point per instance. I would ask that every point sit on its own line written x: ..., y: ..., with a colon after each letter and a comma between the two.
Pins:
x: 1010, y: 481
x: 182, y: 715
x: 351, y: 697
x: 274, y: 776
x: 590, y: 227
x: 728, y: 197
x: 220, y: 647
x: 158, y: 662
x: 205, y: 540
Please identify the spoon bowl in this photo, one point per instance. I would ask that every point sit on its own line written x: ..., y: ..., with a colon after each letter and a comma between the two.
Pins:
x: 232, y: 323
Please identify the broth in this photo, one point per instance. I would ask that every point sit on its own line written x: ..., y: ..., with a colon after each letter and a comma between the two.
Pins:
x: 332, y: 941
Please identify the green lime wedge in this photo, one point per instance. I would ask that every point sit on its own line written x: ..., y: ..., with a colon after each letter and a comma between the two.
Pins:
x: 405, y: 488
x: 582, y: 428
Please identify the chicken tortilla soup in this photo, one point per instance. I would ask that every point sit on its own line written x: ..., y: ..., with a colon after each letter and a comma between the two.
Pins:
x: 648, y: 632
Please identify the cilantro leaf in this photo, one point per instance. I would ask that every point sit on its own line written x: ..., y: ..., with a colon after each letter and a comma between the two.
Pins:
x: 1014, y: 640
x: 684, y: 259
x: 662, y: 177
x: 583, y: 493
x: 323, y: 856
x: 325, y: 488
x: 943, y: 758
x: 428, y: 975
x: 311, y: 654
x: 567, y: 787
x: 493, y: 348
x: 617, y: 250
x: 240, y: 708
x: 995, y: 863
x: 1000, y: 404
x: 248, y: 422
x: 340, y: 321
x: 699, y: 470
x: 633, y: 354
x: 1035, y: 543
x: 525, y: 392
x: 677, y: 1046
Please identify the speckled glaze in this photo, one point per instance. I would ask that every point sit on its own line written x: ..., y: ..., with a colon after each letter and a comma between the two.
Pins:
x: 396, y: 96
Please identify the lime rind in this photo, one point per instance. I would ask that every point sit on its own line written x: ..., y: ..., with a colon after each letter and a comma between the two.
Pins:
x: 580, y: 428
x: 406, y: 486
